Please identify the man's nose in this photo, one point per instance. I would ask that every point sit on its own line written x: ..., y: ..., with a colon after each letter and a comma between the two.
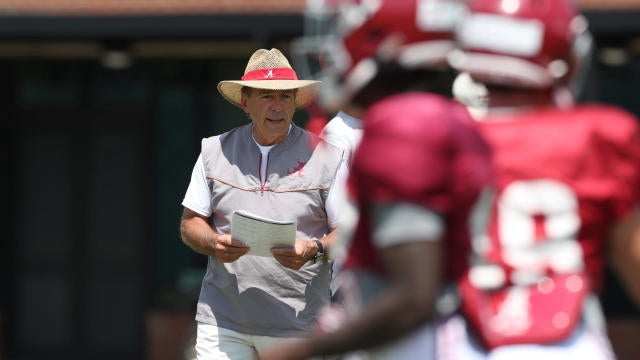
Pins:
x: 278, y: 103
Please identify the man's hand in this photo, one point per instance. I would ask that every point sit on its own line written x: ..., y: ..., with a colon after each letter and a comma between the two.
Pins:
x: 293, y: 257
x: 198, y: 234
x: 228, y: 250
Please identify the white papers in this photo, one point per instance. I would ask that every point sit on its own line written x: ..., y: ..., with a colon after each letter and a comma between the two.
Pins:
x: 261, y: 234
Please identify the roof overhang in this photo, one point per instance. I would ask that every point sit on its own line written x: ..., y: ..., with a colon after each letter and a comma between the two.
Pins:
x: 149, y: 26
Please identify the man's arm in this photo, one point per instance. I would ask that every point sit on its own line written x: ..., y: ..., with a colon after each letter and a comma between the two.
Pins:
x: 198, y: 235
x: 624, y: 254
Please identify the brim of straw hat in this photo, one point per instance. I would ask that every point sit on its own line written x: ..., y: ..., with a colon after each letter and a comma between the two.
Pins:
x: 231, y: 90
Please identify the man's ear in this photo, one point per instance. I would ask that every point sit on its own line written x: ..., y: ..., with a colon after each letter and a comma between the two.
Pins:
x: 243, y: 102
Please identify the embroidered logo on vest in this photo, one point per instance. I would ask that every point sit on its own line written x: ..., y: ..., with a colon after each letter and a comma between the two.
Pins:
x: 297, y: 169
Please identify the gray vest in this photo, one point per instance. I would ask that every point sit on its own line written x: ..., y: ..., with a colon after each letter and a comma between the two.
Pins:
x: 256, y: 295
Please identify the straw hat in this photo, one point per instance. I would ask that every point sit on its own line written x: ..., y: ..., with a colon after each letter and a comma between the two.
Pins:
x: 268, y: 69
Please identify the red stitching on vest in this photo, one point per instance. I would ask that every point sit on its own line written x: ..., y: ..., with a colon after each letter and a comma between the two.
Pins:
x: 267, y: 190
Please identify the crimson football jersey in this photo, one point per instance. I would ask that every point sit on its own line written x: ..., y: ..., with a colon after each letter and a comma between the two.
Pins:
x: 563, y: 177
x: 420, y: 149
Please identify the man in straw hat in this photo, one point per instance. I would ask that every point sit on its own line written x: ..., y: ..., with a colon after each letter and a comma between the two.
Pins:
x: 275, y: 170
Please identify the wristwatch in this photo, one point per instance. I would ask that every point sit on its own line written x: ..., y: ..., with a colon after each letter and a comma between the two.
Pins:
x: 320, y: 252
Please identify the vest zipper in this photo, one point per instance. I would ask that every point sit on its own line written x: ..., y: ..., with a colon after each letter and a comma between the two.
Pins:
x: 263, y: 181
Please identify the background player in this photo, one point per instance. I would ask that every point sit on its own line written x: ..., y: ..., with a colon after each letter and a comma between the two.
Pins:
x: 568, y: 190
x: 416, y: 177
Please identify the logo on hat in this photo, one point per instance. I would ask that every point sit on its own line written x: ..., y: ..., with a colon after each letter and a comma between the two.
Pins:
x: 269, y: 74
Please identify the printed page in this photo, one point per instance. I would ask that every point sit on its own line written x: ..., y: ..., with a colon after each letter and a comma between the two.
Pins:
x: 260, y: 233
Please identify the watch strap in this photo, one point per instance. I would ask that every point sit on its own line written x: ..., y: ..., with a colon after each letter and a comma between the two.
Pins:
x: 320, y: 252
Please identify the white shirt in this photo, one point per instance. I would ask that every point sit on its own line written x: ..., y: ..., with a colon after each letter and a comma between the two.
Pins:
x: 343, y: 131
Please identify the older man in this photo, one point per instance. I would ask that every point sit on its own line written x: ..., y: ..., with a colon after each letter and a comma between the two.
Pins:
x: 276, y: 170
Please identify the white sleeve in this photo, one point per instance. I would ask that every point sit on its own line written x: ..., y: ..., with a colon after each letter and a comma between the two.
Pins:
x: 198, y: 196
x: 343, y: 132
x: 334, y: 133
x: 399, y: 223
x: 336, y: 196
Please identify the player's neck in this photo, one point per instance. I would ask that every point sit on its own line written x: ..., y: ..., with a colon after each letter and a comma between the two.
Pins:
x: 515, y: 98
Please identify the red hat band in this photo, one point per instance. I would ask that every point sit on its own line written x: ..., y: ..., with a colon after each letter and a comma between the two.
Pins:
x: 271, y: 74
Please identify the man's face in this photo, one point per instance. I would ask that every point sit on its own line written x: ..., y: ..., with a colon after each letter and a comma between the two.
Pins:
x: 271, y: 112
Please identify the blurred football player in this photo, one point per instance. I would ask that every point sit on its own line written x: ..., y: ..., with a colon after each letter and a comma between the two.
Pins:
x: 568, y: 181
x: 419, y: 177
x: 311, y: 54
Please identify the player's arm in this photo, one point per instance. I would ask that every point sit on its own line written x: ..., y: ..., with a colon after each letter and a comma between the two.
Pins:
x: 624, y: 253
x: 413, y: 266
x: 408, y: 242
x: 623, y: 155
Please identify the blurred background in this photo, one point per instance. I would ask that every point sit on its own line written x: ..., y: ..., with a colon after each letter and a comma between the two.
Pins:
x: 103, y: 105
